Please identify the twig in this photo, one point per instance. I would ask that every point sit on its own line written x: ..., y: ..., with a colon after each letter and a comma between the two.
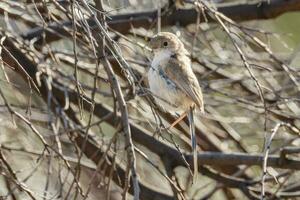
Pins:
x: 121, y: 101
x: 265, y: 160
x: 14, y: 177
x: 124, y: 22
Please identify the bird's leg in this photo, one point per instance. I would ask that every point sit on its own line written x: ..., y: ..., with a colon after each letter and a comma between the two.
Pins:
x: 194, y: 143
x: 177, y: 120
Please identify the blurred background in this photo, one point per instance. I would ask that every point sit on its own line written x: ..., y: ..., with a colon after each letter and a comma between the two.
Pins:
x: 78, y: 122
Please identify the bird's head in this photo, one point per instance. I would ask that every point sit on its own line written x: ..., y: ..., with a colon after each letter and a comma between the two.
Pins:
x: 166, y: 41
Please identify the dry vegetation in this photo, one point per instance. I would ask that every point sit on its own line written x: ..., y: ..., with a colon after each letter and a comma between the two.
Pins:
x: 77, y: 120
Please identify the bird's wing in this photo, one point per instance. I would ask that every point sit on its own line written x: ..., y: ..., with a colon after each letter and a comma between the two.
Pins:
x: 184, y: 78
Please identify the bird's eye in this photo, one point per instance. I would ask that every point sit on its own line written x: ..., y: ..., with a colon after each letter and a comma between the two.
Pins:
x: 165, y: 44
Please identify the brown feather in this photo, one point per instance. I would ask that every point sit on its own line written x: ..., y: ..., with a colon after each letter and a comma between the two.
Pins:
x: 180, y: 72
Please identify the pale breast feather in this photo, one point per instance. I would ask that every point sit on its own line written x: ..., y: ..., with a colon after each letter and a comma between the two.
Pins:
x: 164, y: 90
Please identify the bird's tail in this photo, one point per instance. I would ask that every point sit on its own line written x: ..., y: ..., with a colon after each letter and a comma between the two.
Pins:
x: 194, y: 143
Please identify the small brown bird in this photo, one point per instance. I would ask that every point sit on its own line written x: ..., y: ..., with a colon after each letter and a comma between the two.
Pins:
x: 173, y: 82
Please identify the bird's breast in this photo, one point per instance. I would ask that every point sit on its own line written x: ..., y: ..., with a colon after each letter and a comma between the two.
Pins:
x: 165, y: 91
